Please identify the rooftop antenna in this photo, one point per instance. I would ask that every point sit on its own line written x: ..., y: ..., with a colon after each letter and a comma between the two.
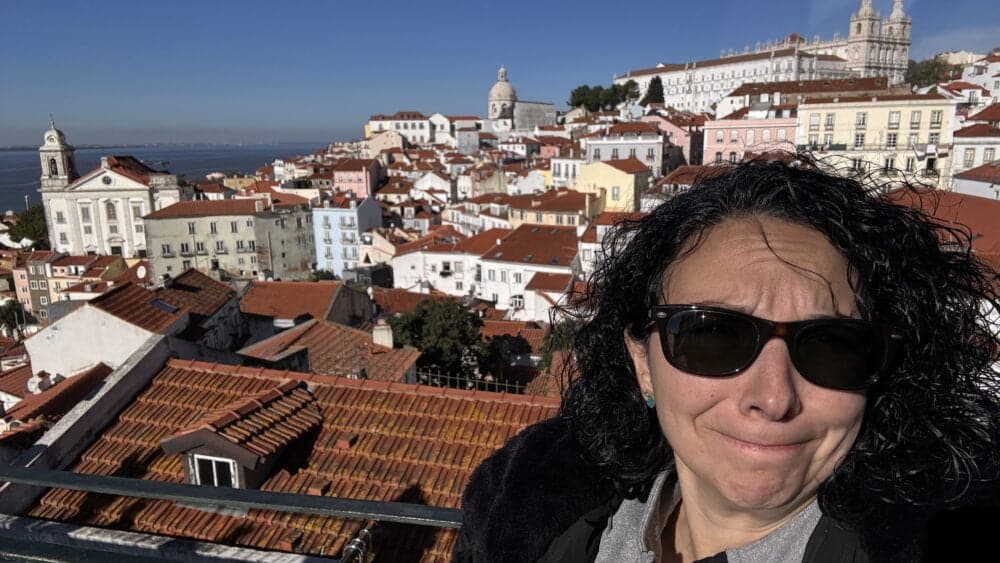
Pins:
x: 52, y: 121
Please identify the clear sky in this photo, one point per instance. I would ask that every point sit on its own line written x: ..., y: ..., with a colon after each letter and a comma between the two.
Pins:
x: 133, y: 71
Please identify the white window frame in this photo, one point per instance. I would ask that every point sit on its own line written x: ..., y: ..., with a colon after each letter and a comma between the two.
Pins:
x: 197, y: 474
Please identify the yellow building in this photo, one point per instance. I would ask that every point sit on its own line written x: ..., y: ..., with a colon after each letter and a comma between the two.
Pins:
x: 895, y: 136
x: 562, y: 207
x: 617, y: 184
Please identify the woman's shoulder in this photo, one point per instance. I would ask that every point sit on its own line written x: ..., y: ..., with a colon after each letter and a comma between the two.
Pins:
x: 527, y: 493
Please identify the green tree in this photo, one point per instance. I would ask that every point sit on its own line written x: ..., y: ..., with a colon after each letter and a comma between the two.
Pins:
x: 580, y: 96
x: 929, y: 71
x: 596, y: 98
x: 445, y: 332
x: 322, y: 275
x: 631, y: 91
x: 654, y: 94
x: 30, y: 225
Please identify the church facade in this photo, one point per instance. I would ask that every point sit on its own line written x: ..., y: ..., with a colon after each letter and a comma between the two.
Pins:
x: 100, y: 212
x: 506, y: 114
x: 873, y: 47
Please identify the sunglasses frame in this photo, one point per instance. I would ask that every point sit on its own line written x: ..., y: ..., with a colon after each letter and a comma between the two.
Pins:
x: 765, y: 330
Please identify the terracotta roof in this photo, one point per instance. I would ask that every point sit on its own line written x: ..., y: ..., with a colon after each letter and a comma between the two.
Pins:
x: 958, y: 86
x: 543, y: 281
x: 478, y: 244
x: 335, y: 349
x: 812, y: 86
x: 60, y: 398
x: 462, y: 118
x: 66, y: 261
x: 289, y: 300
x: 614, y: 217
x: 988, y: 172
x: 15, y: 381
x: 874, y: 99
x: 261, y: 424
x: 127, y: 166
x: 628, y: 165
x: 399, y: 116
x: 536, y: 244
x: 978, y: 214
x: 132, y: 274
x: 354, y: 165
x: 978, y: 130
x: 138, y: 306
x: 378, y: 441
x: 687, y: 174
x: 213, y: 188
x: 395, y: 301
x: 197, y: 292
x: 531, y: 332
x: 562, y: 200
x: 556, y: 379
x: 632, y: 127
x: 207, y: 208
x: 990, y: 114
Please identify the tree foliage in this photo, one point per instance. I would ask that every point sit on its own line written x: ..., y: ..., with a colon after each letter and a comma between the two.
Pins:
x: 30, y: 225
x: 445, y: 332
x: 930, y: 71
x: 559, y: 337
x: 654, y: 94
x: 596, y: 98
x: 12, y: 316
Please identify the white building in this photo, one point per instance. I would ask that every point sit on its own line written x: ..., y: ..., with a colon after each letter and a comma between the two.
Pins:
x: 414, y: 126
x: 872, y: 47
x: 975, y: 145
x: 508, y: 266
x: 100, y: 212
x: 643, y: 141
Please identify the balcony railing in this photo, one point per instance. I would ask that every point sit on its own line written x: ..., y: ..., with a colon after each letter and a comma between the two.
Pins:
x: 222, y: 251
x: 169, y: 254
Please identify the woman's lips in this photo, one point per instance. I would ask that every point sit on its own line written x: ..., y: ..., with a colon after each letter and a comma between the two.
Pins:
x: 764, y: 446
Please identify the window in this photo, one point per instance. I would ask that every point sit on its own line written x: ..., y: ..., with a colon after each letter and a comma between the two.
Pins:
x: 220, y: 246
x: 85, y: 214
x: 857, y: 164
x: 914, y: 139
x: 214, y: 471
x: 616, y: 193
x: 814, y: 122
x: 718, y: 158
x: 765, y: 136
x: 110, y: 211
x: 614, y: 154
x: 988, y: 155
x: 63, y: 239
x: 458, y: 286
x: 749, y: 136
x: 113, y: 229
x: 518, y: 277
x: 781, y: 135
x: 828, y: 122
x: 185, y: 248
x: 43, y: 300
x: 888, y: 165
x: 517, y: 302
x: 915, y: 119
x: 87, y: 230
x: 491, y: 275
x: 936, y: 119
x: 911, y: 163
x: 199, y: 247
x: 933, y: 138
x: 191, y: 229
x: 890, y: 141
x: 186, y: 265
x: 597, y: 154
x: 734, y: 136
x: 60, y: 217
x: 813, y: 140
x: 136, y: 211
x: 859, y: 140
x: 165, y: 249
x: 239, y: 245
x: 538, y: 217
x: 827, y: 139
x: 250, y: 222
x: 968, y: 158
x: 43, y: 314
x: 860, y: 120
x: 213, y: 228
x: 503, y: 276
x: 631, y: 153
x: 252, y: 244
x: 732, y: 158
x: 34, y: 284
x: 720, y: 136
x: 893, y: 120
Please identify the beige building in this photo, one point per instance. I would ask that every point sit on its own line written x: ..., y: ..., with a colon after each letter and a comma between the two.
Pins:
x: 561, y: 207
x: 245, y: 238
x: 617, y: 184
x: 893, y: 134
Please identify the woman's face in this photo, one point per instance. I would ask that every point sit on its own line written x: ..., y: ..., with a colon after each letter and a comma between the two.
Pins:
x: 766, y: 438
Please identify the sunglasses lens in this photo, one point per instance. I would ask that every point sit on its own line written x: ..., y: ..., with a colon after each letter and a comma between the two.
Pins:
x: 840, y: 356
x: 708, y: 342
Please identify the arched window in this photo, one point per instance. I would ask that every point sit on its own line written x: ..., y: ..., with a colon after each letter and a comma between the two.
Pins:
x: 53, y: 167
x: 110, y: 211
x: 858, y: 28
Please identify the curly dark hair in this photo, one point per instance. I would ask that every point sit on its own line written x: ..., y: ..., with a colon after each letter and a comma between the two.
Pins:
x: 930, y: 429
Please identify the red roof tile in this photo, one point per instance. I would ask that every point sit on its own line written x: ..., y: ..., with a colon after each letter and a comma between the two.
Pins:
x: 413, y: 443
x: 978, y: 130
x: 138, y: 306
x: 15, y: 381
x: 208, y: 208
x: 990, y: 114
x: 629, y: 165
x: 813, y: 86
x: 60, y: 398
x: 289, y: 300
x: 197, y: 292
x: 989, y: 172
x: 536, y: 244
x: 395, y: 301
x: 543, y: 281
x: 978, y: 214
x: 139, y: 274
x: 334, y: 349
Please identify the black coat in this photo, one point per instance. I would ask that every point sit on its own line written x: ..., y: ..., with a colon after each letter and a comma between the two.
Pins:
x: 536, y: 499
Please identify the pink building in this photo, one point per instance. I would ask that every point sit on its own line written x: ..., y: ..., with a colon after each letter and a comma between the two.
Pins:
x: 359, y: 175
x: 747, y: 131
x: 683, y: 129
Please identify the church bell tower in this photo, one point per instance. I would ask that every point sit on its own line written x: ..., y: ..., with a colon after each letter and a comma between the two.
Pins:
x: 57, y: 160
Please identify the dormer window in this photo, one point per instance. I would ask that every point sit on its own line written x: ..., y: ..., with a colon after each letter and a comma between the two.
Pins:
x: 214, y: 471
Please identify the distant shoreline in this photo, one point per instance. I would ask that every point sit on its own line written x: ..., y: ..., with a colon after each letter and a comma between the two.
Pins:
x: 21, y: 148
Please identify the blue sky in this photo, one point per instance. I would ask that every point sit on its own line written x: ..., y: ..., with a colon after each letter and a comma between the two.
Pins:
x: 253, y: 71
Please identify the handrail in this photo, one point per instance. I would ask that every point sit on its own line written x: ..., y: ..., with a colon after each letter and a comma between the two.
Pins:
x: 383, y: 511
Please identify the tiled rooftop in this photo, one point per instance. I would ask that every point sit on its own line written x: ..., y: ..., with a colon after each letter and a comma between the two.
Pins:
x: 536, y: 244
x: 415, y: 443
x: 57, y: 400
x: 208, y: 208
x: 335, y: 349
x: 138, y: 306
x: 289, y: 300
x: 197, y: 292
x: 15, y: 381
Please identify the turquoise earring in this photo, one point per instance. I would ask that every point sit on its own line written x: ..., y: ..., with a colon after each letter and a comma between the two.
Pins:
x: 650, y: 401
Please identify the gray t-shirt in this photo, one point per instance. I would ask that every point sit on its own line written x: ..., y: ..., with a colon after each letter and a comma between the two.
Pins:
x: 633, y: 533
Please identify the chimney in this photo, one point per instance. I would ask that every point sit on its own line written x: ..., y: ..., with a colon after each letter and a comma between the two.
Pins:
x: 382, y: 334
x: 258, y: 205
x: 39, y: 382
x: 88, y: 287
x: 104, y: 163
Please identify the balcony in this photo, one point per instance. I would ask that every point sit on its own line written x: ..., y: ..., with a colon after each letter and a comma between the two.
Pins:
x: 327, y: 240
x: 186, y: 253
x: 201, y: 252
x: 221, y: 251
x: 348, y: 225
x: 348, y: 240
x: 168, y: 254
x: 243, y: 250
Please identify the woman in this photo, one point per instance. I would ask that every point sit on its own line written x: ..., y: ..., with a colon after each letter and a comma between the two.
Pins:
x: 778, y: 365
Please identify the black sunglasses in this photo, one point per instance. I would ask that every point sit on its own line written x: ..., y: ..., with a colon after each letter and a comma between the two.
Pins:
x: 847, y: 354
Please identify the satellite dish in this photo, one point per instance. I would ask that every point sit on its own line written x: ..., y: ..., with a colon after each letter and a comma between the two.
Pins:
x: 140, y: 272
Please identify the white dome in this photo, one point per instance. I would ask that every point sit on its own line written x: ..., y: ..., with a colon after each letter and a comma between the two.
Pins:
x: 502, y: 91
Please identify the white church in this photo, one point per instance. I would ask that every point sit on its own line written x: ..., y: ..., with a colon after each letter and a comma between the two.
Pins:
x: 100, y: 212
x: 506, y: 114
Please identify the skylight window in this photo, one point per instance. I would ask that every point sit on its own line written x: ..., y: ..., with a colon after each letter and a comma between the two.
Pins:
x: 163, y: 306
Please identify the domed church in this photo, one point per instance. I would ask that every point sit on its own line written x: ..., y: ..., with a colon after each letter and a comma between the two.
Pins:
x: 505, y: 113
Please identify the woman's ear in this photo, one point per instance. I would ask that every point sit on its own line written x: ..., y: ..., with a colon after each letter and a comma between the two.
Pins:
x: 638, y: 350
